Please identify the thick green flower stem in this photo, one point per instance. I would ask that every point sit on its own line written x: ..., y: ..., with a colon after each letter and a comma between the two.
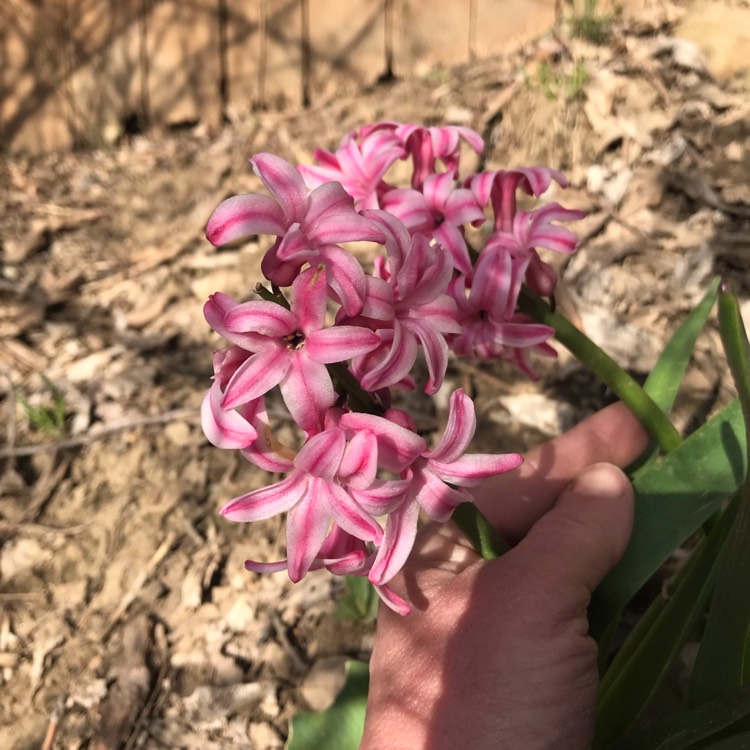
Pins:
x: 483, y: 536
x: 603, y: 366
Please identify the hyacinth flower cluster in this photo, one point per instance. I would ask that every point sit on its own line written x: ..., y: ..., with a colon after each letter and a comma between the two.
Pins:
x: 340, y: 340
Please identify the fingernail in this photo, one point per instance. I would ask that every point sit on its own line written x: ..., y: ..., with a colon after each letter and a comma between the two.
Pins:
x: 601, y: 480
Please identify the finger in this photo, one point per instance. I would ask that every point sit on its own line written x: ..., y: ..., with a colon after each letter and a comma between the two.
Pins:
x: 570, y: 550
x: 514, y: 501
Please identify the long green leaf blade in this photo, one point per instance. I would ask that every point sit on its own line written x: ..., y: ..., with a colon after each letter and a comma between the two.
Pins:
x: 723, y: 660
x: 673, y: 498
x: 644, y: 660
x: 664, y: 380
x: 686, y: 729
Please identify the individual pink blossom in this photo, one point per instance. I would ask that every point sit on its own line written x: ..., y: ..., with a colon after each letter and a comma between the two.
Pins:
x: 423, y: 314
x: 439, y: 211
x: 359, y: 164
x: 428, y: 145
x: 333, y: 479
x: 534, y: 229
x: 491, y: 328
x: 290, y: 348
x: 308, y: 227
x: 437, y: 482
x: 499, y: 188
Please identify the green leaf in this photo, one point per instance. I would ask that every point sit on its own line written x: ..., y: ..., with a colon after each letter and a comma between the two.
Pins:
x: 664, y: 380
x: 341, y: 726
x: 360, y: 601
x: 674, y: 496
x: 644, y: 659
x: 723, y: 660
x: 686, y: 729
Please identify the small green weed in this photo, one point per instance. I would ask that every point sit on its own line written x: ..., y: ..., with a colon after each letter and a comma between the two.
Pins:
x: 49, y: 418
x: 590, y: 25
x: 553, y: 84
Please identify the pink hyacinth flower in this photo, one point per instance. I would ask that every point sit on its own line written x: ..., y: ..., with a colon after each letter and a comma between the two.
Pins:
x: 437, y: 480
x: 491, y: 329
x: 440, y: 212
x: 333, y: 479
x: 427, y: 145
x: 309, y: 228
x: 423, y: 314
x: 291, y: 349
x: 498, y: 189
x: 359, y: 165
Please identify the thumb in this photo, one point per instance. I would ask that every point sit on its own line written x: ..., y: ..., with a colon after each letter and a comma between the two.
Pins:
x: 573, y: 546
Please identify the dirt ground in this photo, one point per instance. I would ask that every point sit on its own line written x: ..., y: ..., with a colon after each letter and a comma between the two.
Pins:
x: 126, y: 616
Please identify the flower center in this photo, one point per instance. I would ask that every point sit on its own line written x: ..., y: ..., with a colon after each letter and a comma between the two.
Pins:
x: 295, y: 341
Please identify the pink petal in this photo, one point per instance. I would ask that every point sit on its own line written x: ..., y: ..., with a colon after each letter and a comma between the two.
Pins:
x: 339, y: 343
x: 398, y: 541
x: 470, y: 469
x: 346, y: 277
x: 393, y: 600
x: 266, y: 567
x: 360, y: 461
x: 452, y: 239
x: 242, y: 216
x: 435, y: 352
x: 257, y: 376
x: 216, y: 309
x: 410, y: 207
x: 307, y: 391
x: 309, y: 299
x: 267, y: 501
x: 224, y: 428
x: 436, y: 498
x: 397, y: 446
x: 459, y: 430
x: 382, y: 496
x: 347, y: 514
x: 259, y: 316
x: 461, y: 207
x: 306, y: 527
x: 397, y: 362
x: 321, y: 455
x: 331, y: 217
x: 286, y: 184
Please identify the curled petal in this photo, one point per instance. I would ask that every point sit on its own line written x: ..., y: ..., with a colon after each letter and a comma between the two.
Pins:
x: 393, y: 600
x: 267, y: 501
x: 331, y: 217
x: 397, y: 446
x: 459, y: 430
x: 396, y: 364
x: 436, y: 498
x: 470, y: 469
x: 242, y: 216
x: 382, y: 496
x: 398, y: 541
x: 259, y: 316
x: 224, y: 428
x: 348, y: 514
x: 321, y: 455
x: 435, y: 352
x: 360, y: 461
x: 309, y: 299
x: 287, y: 185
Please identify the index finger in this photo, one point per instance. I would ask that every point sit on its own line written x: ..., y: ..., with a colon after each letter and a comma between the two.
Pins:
x: 513, y: 502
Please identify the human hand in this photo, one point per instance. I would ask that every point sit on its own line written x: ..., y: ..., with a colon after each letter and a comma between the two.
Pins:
x: 496, y: 654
